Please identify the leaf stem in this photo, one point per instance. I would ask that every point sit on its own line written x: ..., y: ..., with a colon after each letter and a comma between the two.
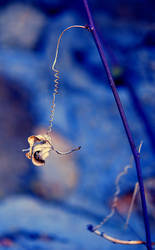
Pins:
x: 136, y: 155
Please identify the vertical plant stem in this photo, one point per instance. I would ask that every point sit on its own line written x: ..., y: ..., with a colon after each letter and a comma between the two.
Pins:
x: 125, y: 123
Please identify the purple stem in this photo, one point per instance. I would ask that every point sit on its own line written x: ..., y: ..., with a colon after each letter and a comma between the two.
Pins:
x: 125, y: 123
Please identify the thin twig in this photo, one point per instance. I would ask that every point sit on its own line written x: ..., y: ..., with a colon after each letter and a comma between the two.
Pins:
x: 132, y: 203
x: 134, y: 194
x: 125, y: 123
x: 115, y: 240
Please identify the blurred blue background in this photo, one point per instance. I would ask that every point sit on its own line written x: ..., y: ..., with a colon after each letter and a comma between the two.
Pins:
x: 49, y: 207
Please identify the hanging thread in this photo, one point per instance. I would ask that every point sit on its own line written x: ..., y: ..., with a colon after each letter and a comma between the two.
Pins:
x: 56, y: 75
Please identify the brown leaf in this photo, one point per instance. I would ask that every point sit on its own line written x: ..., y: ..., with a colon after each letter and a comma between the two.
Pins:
x: 40, y: 146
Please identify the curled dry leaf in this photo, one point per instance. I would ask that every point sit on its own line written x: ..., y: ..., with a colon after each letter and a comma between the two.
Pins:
x: 60, y: 176
x: 40, y: 146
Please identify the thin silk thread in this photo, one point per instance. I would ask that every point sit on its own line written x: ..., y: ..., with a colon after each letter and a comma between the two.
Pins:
x: 56, y: 75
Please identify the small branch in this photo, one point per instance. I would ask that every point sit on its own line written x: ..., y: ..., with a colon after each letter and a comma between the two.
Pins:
x: 132, y: 203
x: 125, y: 122
x: 115, y: 240
x: 136, y: 189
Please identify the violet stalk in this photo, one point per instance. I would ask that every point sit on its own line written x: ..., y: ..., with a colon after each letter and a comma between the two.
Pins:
x: 136, y: 155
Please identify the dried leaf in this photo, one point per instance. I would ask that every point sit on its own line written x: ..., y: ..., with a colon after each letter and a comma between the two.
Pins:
x: 40, y: 146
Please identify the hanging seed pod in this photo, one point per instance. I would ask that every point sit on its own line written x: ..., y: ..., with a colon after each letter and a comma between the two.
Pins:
x: 41, y: 145
x: 39, y: 149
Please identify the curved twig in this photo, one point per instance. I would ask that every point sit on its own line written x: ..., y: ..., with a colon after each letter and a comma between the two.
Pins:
x: 115, y: 240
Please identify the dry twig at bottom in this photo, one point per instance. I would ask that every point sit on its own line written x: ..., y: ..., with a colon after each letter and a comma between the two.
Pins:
x: 115, y: 240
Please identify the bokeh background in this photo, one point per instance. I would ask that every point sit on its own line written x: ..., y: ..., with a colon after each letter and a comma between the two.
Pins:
x: 49, y: 207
